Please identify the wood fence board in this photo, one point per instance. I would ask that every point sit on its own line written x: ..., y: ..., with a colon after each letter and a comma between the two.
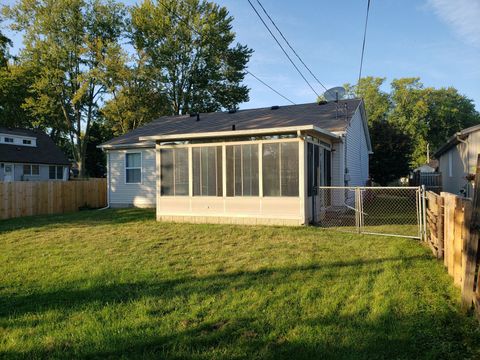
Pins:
x: 26, y: 198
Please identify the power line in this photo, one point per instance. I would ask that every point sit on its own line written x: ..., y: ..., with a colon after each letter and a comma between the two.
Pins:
x: 364, y: 39
x: 281, y: 47
x: 198, y: 33
x: 290, y: 46
x: 264, y: 83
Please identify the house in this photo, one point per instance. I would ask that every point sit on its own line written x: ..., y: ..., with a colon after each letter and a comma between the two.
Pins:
x: 27, y: 155
x: 458, y: 159
x: 248, y: 166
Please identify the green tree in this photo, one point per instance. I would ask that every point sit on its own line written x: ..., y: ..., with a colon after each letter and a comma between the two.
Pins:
x: 95, y: 162
x: 135, y: 99
x: 188, y: 52
x: 69, y: 43
x: 377, y: 102
x: 392, y: 152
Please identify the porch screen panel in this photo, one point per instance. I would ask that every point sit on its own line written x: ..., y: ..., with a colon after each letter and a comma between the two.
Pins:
x: 174, y: 172
x: 166, y: 172
x: 280, y: 169
x: 289, y: 169
x: 271, y: 169
x: 207, y: 171
x: 242, y: 170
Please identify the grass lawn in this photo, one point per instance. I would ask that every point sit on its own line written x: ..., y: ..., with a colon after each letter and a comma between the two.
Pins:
x: 113, y: 284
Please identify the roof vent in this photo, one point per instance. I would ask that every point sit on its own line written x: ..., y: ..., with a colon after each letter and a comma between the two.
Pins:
x: 233, y: 127
x: 275, y: 107
x: 232, y: 111
x: 198, y: 117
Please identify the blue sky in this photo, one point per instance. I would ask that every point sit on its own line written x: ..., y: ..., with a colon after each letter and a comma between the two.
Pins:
x: 437, y: 40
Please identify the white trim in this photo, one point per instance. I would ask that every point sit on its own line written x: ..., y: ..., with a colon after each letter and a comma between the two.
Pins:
x: 235, y: 133
x: 133, y: 168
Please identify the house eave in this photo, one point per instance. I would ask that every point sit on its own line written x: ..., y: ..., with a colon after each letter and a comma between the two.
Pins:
x: 234, y: 133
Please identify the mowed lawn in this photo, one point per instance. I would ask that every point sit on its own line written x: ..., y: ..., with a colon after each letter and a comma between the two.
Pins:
x: 118, y: 284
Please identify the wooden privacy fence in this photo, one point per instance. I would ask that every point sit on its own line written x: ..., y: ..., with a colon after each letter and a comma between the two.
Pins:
x: 453, y: 225
x: 26, y: 198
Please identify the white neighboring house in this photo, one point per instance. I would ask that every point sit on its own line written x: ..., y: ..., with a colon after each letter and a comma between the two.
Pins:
x: 28, y: 155
x: 248, y: 166
x: 458, y: 158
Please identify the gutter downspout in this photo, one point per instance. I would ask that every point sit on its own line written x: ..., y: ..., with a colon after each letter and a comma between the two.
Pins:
x: 108, y: 183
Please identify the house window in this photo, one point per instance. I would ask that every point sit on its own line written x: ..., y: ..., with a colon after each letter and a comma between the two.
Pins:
x: 55, y: 172
x: 174, y: 172
x: 133, y: 168
x: 8, y: 140
x: 31, y: 170
x: 280, y: 169
x: 207, y: 171
x: 242, y: 170
x: 27, y: 142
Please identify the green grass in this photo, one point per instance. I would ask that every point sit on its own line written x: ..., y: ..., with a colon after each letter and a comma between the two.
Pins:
x: 117, y: 284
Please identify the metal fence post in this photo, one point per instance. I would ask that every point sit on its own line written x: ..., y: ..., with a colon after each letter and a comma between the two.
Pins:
x: 358, y: 210
x: 424, y: 214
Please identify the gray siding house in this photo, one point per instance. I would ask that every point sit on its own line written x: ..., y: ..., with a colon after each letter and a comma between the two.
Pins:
x: 27, y: 155
x: 458, y: 158
x: 256, y: 166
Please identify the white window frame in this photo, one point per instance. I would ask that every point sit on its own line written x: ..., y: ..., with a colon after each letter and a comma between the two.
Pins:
x: 133, y: 168
x: 31, y: 167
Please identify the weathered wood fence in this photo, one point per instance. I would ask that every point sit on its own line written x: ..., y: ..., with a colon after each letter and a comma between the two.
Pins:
x: 453, y: 225
x: 26, y: 198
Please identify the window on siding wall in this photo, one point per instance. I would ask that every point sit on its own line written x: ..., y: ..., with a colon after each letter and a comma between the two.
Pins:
x: 242, y: 170
x: 174, y: 172
x: 207, y: 171
x: 280, y: 169
x: 31, y: 170
x: 450, y: 164
x: 133, y: 168
x: 55, y: 172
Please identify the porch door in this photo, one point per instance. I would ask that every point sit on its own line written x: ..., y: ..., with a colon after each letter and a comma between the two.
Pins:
x: 8, y: 172
x: 313, y: 173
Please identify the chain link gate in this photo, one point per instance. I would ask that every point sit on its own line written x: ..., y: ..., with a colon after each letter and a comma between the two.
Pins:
x: 392, y: 211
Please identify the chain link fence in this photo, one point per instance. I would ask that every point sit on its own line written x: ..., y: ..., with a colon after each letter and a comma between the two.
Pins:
x: 395, y: 211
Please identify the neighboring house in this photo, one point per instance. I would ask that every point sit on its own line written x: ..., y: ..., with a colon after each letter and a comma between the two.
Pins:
x: 458, y: 158
x: 430, y: 167
x: 27, y: 155
x: 249, y: 166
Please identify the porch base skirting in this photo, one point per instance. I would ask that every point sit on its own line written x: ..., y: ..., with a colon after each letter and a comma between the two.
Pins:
x: 229, y: 220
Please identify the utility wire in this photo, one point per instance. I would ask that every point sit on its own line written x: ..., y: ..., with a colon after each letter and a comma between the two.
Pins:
x: 271, y: 88
x: 281, y: 47
x: 364, y: 39
x: 290, y: 46
x: 198, y: 33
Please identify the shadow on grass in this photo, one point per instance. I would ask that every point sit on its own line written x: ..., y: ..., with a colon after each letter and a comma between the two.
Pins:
x: 74, y: 297
x: 81, y: 218
x: 333, y: 334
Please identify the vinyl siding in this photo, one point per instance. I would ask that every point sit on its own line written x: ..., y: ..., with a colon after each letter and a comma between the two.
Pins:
x: 464, y: 158
x: 357, y: 151
x: 123, y: 194
x: 43, y: 173
x: 338, y: 164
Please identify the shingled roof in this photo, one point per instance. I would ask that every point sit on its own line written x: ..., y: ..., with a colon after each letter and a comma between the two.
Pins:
x: 330, y: 117
x: 46, y: 152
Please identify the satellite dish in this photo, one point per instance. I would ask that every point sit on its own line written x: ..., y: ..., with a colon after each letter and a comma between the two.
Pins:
x: 335, y: 93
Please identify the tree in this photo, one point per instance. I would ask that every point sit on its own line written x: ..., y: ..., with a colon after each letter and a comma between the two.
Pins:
x: 135, y: 100
x: 5, y: 43
x: 14, y: 84
x: 188, y: 52
x: 95, y: 162
x: 377, y: 102
x: 392, y: 151
x: 69, y: 43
